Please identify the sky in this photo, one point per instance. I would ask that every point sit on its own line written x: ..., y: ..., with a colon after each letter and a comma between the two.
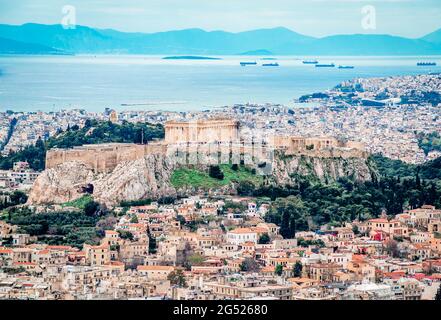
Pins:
x: 409, y: 18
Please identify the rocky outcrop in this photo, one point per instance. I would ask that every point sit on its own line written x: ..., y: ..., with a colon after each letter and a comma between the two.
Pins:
x: 287, y: 168
x: 62, y: 184
x: 148, y: 177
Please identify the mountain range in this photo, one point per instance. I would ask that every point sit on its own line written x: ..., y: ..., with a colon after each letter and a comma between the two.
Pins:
x: 32, y: 38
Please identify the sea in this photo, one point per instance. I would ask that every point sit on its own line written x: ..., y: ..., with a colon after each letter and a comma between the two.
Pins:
x: 93, y: 83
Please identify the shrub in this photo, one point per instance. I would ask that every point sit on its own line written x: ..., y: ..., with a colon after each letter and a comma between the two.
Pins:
x: 216, y: 173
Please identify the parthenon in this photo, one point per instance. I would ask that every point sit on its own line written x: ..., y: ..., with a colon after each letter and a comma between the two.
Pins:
x: 202, y: 131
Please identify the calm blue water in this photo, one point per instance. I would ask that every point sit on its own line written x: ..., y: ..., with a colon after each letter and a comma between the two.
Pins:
x: 50, y: 83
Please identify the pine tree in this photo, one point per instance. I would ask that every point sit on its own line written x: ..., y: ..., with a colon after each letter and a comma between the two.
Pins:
x: 152, y: 242
x: 292, y: 227
x: 284, y: 227
x: 279, y: 270
x: 216, y: 172
x: 432, y: 194
x: 418, y: 181
x: 298, y: 269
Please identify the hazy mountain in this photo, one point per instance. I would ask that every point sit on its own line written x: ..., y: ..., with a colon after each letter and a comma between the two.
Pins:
x: 81, y: 39
x: 198, y: 41
x: 275, y: 41
x: 434, y: 37
x: 363, y: 44
x: 190, y: 41
x: 16, y: 47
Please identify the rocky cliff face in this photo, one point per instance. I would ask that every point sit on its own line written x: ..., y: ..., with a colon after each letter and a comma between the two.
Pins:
x: 133, y: 180
x: 61, y: 184
x: 287, y: 168
x: 149, y: 177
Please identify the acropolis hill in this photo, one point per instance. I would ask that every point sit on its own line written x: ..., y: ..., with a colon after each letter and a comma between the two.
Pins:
x: 118, y: 172
x: 204, y: 138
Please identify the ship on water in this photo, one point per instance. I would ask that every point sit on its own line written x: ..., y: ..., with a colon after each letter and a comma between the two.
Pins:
x: 325, y: 65
x: 310, y: 62
x: 426, y: 64
x: 346, y: 67
x: 270, y: 64
x: 243, y: 64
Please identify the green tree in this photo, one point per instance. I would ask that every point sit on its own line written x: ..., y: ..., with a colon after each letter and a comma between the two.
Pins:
x: 264, y: 239
x: 127, y: 235
x: 16, y: 198
x: 297, y: 269
x: 355, y: 229
x: 177, y: 278
x: 284, y: 227
x: 278, y: 270
x: 181, y: 219
x: 391, y: 248
x: 152, y: 242
x: 57, y: 228
x: 216, y: 172
x: 291, y: 213
x: 292, y: 226
x: 246, y: 188
x: 249, y: 265
x: 91, y: 208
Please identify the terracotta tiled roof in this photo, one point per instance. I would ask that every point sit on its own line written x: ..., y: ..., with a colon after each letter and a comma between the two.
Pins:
x: 242, y: 231
x: 155, y: 268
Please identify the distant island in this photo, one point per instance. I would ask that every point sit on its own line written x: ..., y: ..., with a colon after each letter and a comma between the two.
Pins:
x: 261, y: 52
x: 190, y: 58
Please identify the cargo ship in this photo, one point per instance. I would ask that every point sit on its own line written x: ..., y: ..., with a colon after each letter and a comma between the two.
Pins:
x: 270, y: 64
x: 243, y: 64
x: 426, y: 64
x: 346, y: 67
x: 310, y: 62
x: 325, y: 65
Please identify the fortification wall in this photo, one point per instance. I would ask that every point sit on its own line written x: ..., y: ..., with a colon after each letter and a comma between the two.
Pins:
x: 102, y: 158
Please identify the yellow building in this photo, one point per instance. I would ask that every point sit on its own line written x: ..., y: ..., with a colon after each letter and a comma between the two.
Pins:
x: 113, y: 117
x: 97, y: 255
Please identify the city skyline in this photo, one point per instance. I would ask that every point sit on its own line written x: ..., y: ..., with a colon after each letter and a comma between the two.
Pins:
x: 316, y: 18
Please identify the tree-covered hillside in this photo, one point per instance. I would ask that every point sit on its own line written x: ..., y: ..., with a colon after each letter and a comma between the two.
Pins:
x: 429, y: 141
x: 310, y: 204
x: 93, y: 132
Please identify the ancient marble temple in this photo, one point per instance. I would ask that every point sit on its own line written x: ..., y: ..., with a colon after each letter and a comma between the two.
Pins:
x: 202, y: 131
